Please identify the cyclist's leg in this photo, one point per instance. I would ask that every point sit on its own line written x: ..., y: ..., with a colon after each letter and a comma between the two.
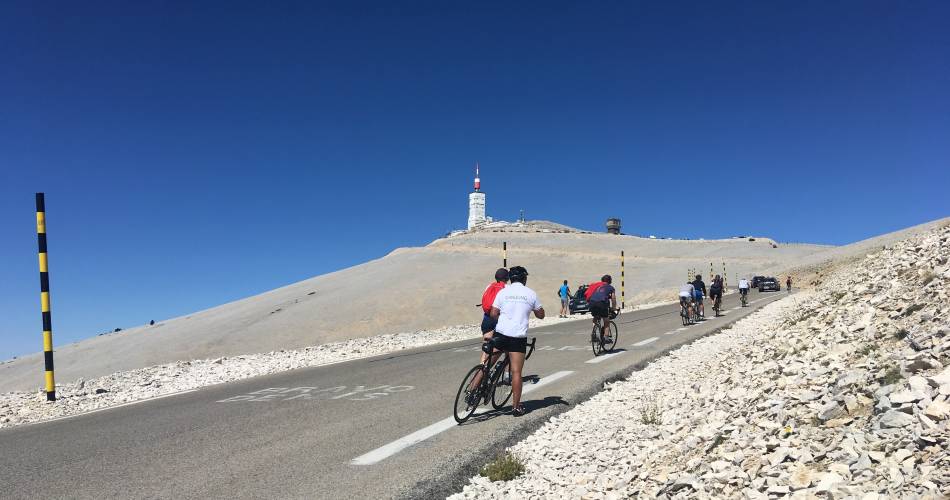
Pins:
x: 517, y: 364
x: 478, y: 376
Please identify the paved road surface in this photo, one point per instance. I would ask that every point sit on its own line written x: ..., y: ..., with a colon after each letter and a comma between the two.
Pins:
x: 371, y: 428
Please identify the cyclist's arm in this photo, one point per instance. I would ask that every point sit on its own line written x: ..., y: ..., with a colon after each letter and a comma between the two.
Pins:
x: 495, y: 312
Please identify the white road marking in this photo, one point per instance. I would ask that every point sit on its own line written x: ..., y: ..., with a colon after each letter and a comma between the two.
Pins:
x: 674, y: 332
x: 605, y: 357
x: 388, y: 450
x: 682, y: 328
x: 105, y: 408
x: 647, y: 341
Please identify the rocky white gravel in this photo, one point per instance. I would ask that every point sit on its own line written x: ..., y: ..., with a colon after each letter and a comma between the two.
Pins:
x: 83, y: 396
x: 839, y: 392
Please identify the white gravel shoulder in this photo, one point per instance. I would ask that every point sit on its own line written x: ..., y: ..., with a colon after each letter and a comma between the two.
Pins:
x: 841, y: 392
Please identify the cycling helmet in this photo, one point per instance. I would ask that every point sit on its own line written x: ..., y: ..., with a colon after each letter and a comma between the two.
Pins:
x: 501, y: 274
x: 606, y: 278
x: 518, y: 274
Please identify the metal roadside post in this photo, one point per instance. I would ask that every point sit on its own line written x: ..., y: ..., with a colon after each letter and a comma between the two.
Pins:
x: 725, y: 280
x: 622, y: 297
x: 504, y: 254
x: 44, y: 297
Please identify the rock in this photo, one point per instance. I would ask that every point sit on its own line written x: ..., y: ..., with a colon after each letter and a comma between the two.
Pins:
x: 939, y: 410
x: 101, y: 391
x: 884, y: 404
x: 838, y: 422
x: 830, y: 410
x: 918, y: 383
x: 778, y: 490
x: 908, y: 396
x: 828, y: 482
x: 895, y: 419
x: 801, y: 478
x: 921, y: 363
x: 863, y: 463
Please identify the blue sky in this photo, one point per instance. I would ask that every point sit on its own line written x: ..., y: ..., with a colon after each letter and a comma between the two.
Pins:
x: 197, y: 153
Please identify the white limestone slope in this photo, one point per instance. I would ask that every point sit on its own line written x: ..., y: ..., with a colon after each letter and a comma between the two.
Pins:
x: 409, y: 290
x: 839, y: 392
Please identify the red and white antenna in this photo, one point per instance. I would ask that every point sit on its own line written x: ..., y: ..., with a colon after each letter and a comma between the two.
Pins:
x: 478, y: 182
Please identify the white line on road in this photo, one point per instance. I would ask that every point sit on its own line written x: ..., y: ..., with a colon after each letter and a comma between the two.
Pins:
x: 647, y: 341
x: 682, y: 328
x: 605, y: 357
x: 106, y: 408
x: 674, y: 332
x: 386, y: 451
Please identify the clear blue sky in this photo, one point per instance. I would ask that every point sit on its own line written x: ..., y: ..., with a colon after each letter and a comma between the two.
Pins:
x: 195, y: 153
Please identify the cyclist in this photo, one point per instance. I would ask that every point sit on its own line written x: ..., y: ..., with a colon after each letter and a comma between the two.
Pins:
x: 511, y: 308
x: 715, y: 290
x: 602, y: 300
x: 743, y: 287
x: 788, y: 284
x: 686, y: 297
x: 488, y: 296
x: 564, y: 293
x: 699, y: 291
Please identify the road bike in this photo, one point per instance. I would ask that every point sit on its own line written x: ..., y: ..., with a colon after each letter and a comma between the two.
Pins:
x: 696, y: 315
x: 603, y: 340
x: 717, y: 304
x: 685, y: 312
x: 744, y: 298
x: 494, y: 385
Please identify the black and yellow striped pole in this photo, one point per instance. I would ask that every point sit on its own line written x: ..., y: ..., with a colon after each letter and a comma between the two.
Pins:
x: 725, y: 279
x: 504, y: 254
x: 710, y: 277
x: 622, y: 296
x: 44, y: 297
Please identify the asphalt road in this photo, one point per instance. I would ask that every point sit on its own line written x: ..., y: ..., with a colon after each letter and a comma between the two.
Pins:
x: 372, y: 428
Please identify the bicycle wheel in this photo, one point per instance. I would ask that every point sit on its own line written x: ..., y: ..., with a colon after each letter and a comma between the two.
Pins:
x: 595, y: 341
x: 684, y: 315
x: 610, y: 337
x: 465, y: 402
x: 501, y: 388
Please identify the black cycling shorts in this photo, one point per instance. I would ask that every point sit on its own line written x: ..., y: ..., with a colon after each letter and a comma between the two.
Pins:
x: 600, y: 309
x: 488, y: 323
x: 510, y: 344
x: 713, y: 294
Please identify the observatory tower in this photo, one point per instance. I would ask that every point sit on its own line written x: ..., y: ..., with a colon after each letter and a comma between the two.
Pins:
x: 476, y: 203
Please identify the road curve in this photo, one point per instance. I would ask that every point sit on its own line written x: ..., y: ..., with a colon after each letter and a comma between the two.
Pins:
x: 373, y: 428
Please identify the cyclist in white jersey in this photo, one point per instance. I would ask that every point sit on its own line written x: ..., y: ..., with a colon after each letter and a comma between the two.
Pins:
x: 743, y: 286
x: 686, y: 296
x: 512, y: 307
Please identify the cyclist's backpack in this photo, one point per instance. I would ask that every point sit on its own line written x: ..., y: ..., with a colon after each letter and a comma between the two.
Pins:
x: 488, y: 298
x: 591, y: 288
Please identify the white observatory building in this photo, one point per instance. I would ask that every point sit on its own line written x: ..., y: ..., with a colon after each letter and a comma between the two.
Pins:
x: 476, y: 203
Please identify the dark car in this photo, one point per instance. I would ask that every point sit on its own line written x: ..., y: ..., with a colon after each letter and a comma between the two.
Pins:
x: 756, y: 280
x: 769, y: 285
x: 578, y: 303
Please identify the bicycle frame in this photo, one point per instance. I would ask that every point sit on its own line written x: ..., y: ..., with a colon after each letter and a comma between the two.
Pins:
x: 490, y: 371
